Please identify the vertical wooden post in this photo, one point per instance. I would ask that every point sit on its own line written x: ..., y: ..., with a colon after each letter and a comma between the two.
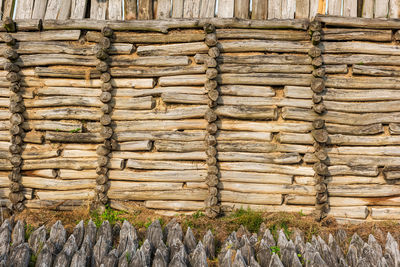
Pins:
x: 302, y: 8
x: 368, y: 9
x: 145, y: 10
x: 242, y: 9
x: 130, y: 8
x: 259, y: 9
x: 207, y: 8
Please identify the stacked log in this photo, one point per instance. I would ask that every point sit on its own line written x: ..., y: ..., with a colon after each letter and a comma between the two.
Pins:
x: 16, y: 107
x: 212, y: 202
x: 319, y: 132
x: 106, y: 131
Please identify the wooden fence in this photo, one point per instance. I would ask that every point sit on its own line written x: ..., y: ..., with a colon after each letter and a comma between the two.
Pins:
x: 162, y: 9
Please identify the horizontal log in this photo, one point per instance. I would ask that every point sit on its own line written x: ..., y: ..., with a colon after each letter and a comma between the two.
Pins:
x: 174, y: 146
x: 67, y: 72
x: 182, y: 80
x: 262, y: 101
x: 26, y: 93
x: 145, y: 145
x: 340, y: 117
x: 265, y: 79
x: 253, y: 198
x: 367, y: 23
x: 183, y: 194
x: 174, y: 205
x: 34, y: 137
x: 262, y: 34
x: 160, y: 135
x: 72, y: 146
x: 5, y: 165
x: 361, y: 59
x: 5, y: 114
x: 146, y: 186
x: 149, y: 61
x: 369, y: 150
x: 242, y: 135
x: 145, y: 102
x: 355, y: 212
x: 246, y: 68
x: 247, y: 90
x: 5, y: 135
x: 157, y: 72
x: 276, y: 158
x: 343, y: 94
x: 253, y: 177
x: 344, y: 34
x: 384, y: 213
x: 348, y: 180
x: 39, y: 151
x: 76, y: 164
x: 159, y: 125
x: 25, y: 25
x: 269, y: 168
x: 231, y: 125
x: 394, y: 128
x: 48, y: 125
x: 64, y: 205
x: 197, y: 155
x: 78, y: 153
x: 172, y: 49
x: 56, y: 101
x: 167, y: 114
x: 4, y: 193
x: 182, y: 36
x: 67, y: 174
x: 4, y: 181
x: 370, y: 171
x: 264, y: 46
x: 363, y: 190
x: 300, y: 200
x: 363, y: 201
x: 64, y: 137
x: 264, y: 59
x: 127, y: 92
x: 67, y: 35
x: 267, y: 188
x: 350, y: 160
x: 71, y: 113
x: 68, y: 91
x: 359, y: 47
x: 46, y: 173
x: 164, y: 165
x: 355, y: 130
x: 306, y: 210
x: 158, y: 176
x: 57, y: 184
x: 85, y: 194
x: 385, y: 71
x: 363, y: 82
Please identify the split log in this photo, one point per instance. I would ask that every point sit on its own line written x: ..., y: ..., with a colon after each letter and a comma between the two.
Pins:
x: 343, y: 34
x: 184, y: 80
x: 305, y: 180
x: 146, y: 102
x: 78, y: 154
x: 276, y: 158
x: 348, y: 180
x: 385, y: 213
x: 265, y: 79
x: 263, y: 167
x: 184, y: 98
x: 33, y: 137
x: 73, y: 137
x: 164, y: 165
x: 262, y: 101
x: 385, y: 71
x: 71, y: 113
x: 183, y: 194
x: 68, y: 35
x: 65, y: 195
x: 265, y: 59
x: 75, y: 164
x: 57, y: 184
x: 262, y: 34
x: 38, y: 152
x: 254, y: 198
x: 369, y: 150
x: 157, y: 72
x: 300, y: 200
x: 160, y: 125
x: 182, y: 36
x: 355, y: 212
x: 241, y: 90
x: 363, y: 82
x: 270, y: 208
x: 353, y: 201
x: 57, y: 101
x: 169, y: 114
x: 67, y: 174
x: 241, y: 135
x: 67, y: 72
x: 363, y: 190
x: 149, y: 61
x: 171, y: 146
x: 197, y: 155
x: 172, y: 49
x: 49, y: 173
x: 145, y: 145
x: 80, y: 146
x: 371, y: 171
x: 231, y: 125
x: 341, y: 117
x: 350, y: 160
x: 160, y: 135
x: 64, y: 205
x: 264, y: 46
x: 338, y: 21
x: 246, y: 112
x: 146, y: 186
x: 47, y: 125
x: 361, y: 59
x: 174, y: 205
x: 253, y: 177
x: 158, y: 176
x: 67, y: 91
x: 245, y: 68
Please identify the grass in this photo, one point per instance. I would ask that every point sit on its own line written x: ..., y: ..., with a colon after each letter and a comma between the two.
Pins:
x: 110, y: 215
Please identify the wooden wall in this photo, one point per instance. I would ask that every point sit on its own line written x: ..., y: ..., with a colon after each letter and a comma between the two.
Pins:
x: 159, y: 110
x: 162, y: 9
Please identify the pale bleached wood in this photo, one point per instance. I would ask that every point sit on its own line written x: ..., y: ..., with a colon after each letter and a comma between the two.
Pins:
x: 269, y: 168
x: 368, y: 9
x: 242, y: 135
x: 184, y: 194
x: 68, y: 35
x: 385, y: 213
x: 299, y: 200
x: 253, y: 177
x: 75, y: 164
x: 130, y: 9
x: 145, y: 9
x: 266, y: 59
x: 127, y: 92
x: 52, y: 59
x: 265, y: 79
x: 161, y: 135
x: 177, y: 8
x: 361, y: 59
x: 390, y: 106
x: 163, y: 9
x: 65, y: 10
x: 348, y: 180
x: 360, y: 47
x: 172, y: 49
x: 363, y: 190
x: 5, y: 135
x: 4, y: 193
x: 314, y: 7
x: 8, y: 10
x: 242, y: 68
x: 226, y: 8
x: 146, y: 102
x: 171, y: 146
x: 394, y: 128
x: 98, y: 9
x: 355, y: 201
x: 159, y: 156
x: 381, y: 9
x: 63, y: 113
x: 182, y: 80
x: 59, y: 205
x: 56, y: 101
x: 145, y: 145
x: 243, y: 90
x: 57, y: 9
x: 276, y: 158
x: 167, y: 114
x: 267, y: 188
x: 4, y: 114
x: 65, y: 195
x: 164, y: 165
x: 349, y: 8
x: 34, y: 137
x: 394, y: 9
x: 338, y: 159
x: 302, y: 9
x: 64, y: 137
x: 232, y: 125
x: 335, y: 34
x: 174, y: 205
x: 78, y: 9
x: 341, y: 117
x: 67, y: 91
x: 191, y: 8
x: 370, y: 171
x: 304, y: 180
x: 242, y: 9
x: 263, y: 46
x: 254, y: 198
x: 57, y: 184
x: 78, y: 153
x: 270, y: 208
x: 376, y: 70
x: 274, y: 9
x: 355, y: 212
x: 68, y: 174
x: 335, y: 7
x: 24, y: 9
x: 288, y: 9
x: 46, y: 173
x: 262, y: 34
x: 159, y: 175
x: 37, y: 152
x: 361, y: 22
x: 114, y: 10
x: 143, y: 186
x: 157, y: 72
x: 259, y: 9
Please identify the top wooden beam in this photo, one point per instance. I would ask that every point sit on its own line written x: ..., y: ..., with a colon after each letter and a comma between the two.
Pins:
x: 368, y: 23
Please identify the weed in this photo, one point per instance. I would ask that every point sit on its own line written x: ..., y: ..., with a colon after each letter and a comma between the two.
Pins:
x: 148, y: 223
x: 198, y: 214
x: 110, y: 215
x: 248, y: 218
x: 276, y: 250
x: 32, y: 260
x: 301, y: 213
x: 28, y: 230
x: 301, y: 259
x: 128, y: 256
x: 77, y: 130
x: 58, y: 130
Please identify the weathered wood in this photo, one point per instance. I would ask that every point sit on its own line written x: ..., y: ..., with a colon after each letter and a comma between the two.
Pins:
x: 98, y: 10
x: 385, y: 213
x: 161, y: 135
x: 68, y: 35
x: 264, y: 199
x: 164, y: 165
x: 24, y: 9
x: 114, y: 10
x: 393, y: 9
x: 259, y: 9
x: 263, y: 167
x: 265, y: 79
x: 68, y: 174
x: 177, y: 8
x: 159, y: 156
x: 263, y: 59
x: 302, y: 9
x: 269, y: 208
x: 364, y: 22
x: 334, y: 34
x: 65, y: 195
x: 184, y: 194
x: 277, y: 158
x: 78, y: 9
x: 267, y: 188
x: 63, y: 113
x: 359, y: 47
x: 191, y: 8
x: 8, y: 9
x: 174, y: 205
x: 263, y: 127
x: 159, y: 175
x: 355, y: 212
x: 363, y: 190
x: 225, y: 8
x: 370, y: 171
x: 288, y: 9
x: 349, y: 8
x: 143, y: 186
x: 381, y: 9
x: 274, y: 9
x: 57, y: 184
x: 337, y: 159
x: 242, y: 68
x: 355, y: 201
x: 262, y: 34
x: 171, y: 114
x: 163, y: 9
x: 73, y: 137
x: 241, y: 9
